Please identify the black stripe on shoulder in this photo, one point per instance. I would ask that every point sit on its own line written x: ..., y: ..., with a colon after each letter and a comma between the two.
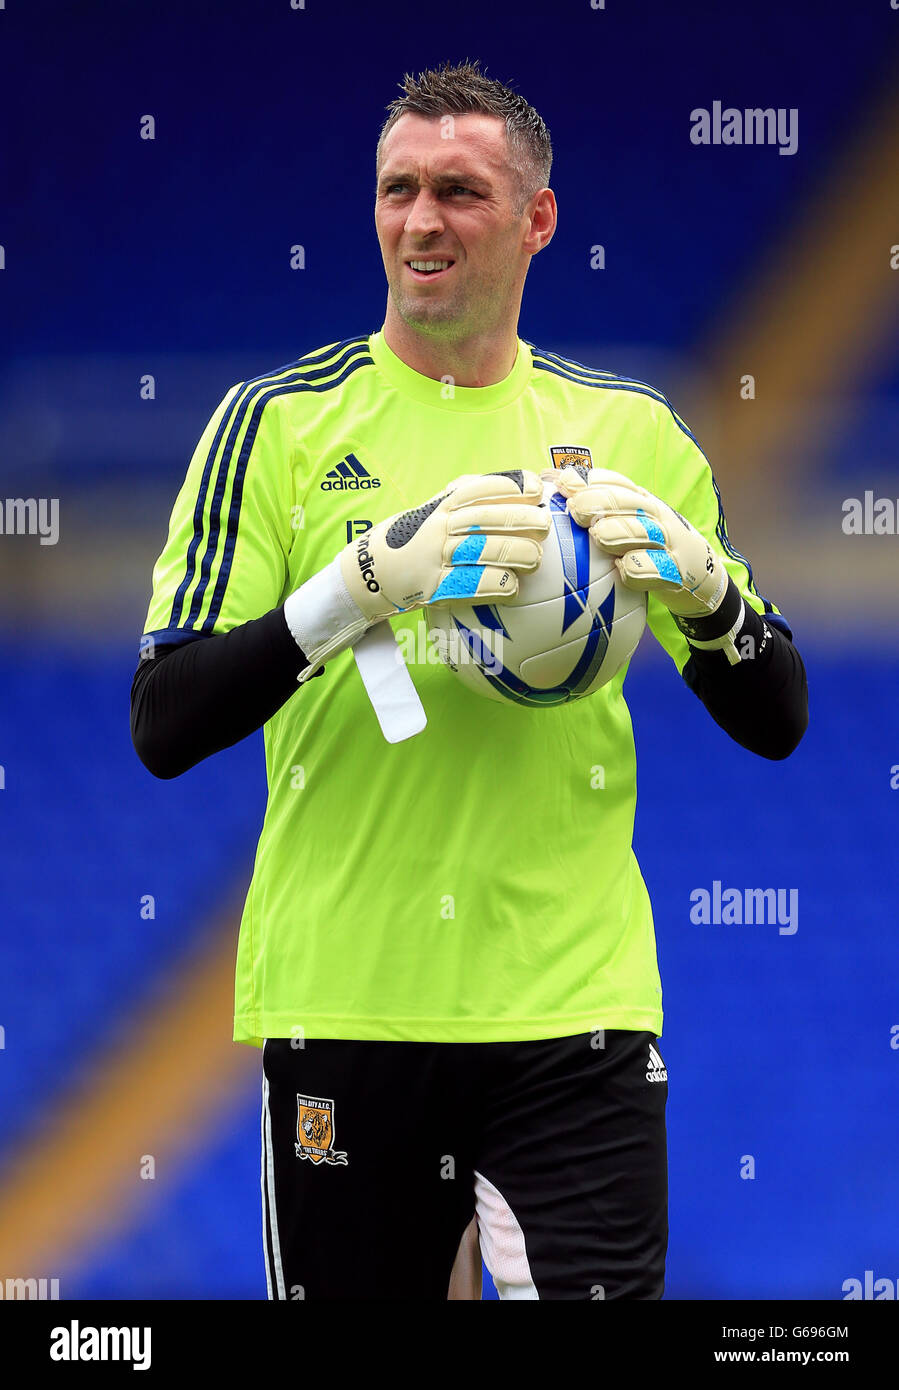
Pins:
x: 322, y: 370
x: 253, y: 406
x: 319, y: 356
x: 546, y: 360
x: 580, y: 375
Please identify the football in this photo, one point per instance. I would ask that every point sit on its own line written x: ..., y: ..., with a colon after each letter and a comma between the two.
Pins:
x: 570, y: 628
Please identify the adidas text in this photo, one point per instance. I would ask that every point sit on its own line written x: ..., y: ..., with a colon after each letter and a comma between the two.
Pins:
x: 349, y: 484
x: 349, y: 476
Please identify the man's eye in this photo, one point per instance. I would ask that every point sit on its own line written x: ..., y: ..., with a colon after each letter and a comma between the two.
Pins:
x: 395, y: 187
x: 460, y: 188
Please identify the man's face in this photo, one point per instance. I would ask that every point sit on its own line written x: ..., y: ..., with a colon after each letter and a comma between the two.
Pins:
x: 451, y: 200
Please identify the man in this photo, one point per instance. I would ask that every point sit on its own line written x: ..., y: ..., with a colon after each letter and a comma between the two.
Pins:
x: 447, y: 952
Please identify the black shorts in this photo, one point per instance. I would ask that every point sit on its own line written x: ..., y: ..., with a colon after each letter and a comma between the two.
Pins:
x: 377, y: 1155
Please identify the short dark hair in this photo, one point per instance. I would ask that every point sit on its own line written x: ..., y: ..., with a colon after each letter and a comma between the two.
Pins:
x: 463, y: 89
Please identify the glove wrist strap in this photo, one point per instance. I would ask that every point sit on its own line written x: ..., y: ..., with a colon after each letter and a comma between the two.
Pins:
x: 323, y: 617
x: 718, y: 631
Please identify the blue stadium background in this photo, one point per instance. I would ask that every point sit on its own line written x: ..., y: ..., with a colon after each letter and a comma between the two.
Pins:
x: 171, y: 257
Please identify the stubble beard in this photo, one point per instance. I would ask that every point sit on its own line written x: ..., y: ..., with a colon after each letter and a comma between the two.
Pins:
x: 472, y: 308
x: 438, y: 318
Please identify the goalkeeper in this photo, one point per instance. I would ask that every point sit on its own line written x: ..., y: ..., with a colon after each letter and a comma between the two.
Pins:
x: 452, y: 978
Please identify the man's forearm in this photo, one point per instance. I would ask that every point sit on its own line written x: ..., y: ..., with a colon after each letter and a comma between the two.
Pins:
x: 190, y: 701
x: 762, y: 702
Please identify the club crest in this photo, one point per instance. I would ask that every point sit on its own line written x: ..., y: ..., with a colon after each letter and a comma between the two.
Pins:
x: 566, y: 455
x: 315, y: 1131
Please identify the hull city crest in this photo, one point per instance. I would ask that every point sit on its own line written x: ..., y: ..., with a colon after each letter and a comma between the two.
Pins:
x: 569, y: 455
x: 315, y: 1131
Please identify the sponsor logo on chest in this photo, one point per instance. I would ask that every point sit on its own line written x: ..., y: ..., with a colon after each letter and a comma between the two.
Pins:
x: 349, y: 476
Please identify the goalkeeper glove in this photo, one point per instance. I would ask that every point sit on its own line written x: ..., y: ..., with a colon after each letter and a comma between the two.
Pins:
x: 658, y: 551
x: 467, y: 543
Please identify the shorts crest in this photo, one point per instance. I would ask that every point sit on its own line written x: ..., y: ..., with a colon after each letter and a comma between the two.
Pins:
x: 315, y: 1131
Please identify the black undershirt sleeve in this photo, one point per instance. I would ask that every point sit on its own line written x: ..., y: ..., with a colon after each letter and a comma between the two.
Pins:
x: 191, y: 700
x: 762, y: 702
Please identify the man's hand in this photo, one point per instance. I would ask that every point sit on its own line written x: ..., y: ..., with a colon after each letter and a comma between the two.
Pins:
x: 656, y: 548
x: 467, y: 544
x: 658, y: 551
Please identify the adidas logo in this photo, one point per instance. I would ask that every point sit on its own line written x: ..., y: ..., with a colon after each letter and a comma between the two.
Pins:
x: 657, y: 1070
x: 349, y: 476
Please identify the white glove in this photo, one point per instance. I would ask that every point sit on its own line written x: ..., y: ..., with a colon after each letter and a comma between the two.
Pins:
x: 467, y: 543
x: 657, y: 551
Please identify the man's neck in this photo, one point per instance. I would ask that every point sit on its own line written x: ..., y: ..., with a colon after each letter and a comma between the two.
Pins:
x: 481, y: 360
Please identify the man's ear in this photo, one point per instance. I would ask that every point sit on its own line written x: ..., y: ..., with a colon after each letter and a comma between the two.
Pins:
x: 544, y: 219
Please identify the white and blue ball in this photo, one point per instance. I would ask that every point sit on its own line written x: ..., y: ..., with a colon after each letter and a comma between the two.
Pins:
x: 567, y: 632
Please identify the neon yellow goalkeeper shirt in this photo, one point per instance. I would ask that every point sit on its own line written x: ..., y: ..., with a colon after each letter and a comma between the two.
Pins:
x: 475, y: 883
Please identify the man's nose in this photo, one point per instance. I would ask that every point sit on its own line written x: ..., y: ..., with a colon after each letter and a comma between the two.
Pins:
x: 425, y: 216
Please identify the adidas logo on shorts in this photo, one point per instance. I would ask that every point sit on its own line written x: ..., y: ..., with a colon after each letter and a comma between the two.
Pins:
x: 349, y: 476
x: 657, y: 1070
